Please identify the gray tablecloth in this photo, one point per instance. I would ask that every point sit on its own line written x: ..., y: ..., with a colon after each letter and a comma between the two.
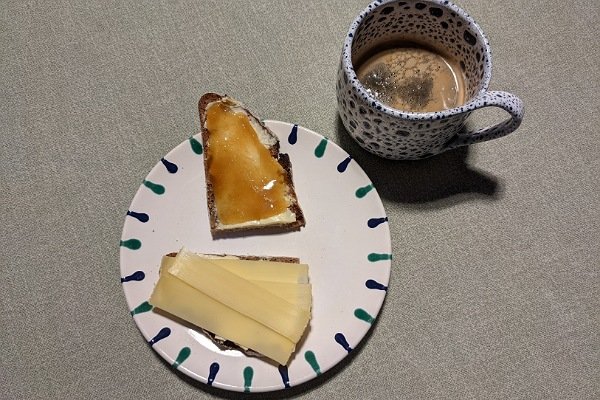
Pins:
x: 495, y: 287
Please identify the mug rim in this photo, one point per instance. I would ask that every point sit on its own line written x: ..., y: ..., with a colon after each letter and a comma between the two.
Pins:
x: 382, y: 107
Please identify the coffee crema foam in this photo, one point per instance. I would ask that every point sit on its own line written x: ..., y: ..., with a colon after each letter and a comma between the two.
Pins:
x: 412, y: 78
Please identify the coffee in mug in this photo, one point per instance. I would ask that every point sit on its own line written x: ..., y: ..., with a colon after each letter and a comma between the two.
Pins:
x: 410, y: 76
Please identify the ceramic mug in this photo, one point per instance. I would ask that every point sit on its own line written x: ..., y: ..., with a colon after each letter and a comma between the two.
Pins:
x: 403, y: 135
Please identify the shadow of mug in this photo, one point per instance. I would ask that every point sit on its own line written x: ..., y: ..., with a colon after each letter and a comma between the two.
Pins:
x: 439, y: 180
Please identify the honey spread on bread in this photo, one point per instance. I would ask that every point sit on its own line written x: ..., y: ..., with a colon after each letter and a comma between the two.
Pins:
x: 247, y: 181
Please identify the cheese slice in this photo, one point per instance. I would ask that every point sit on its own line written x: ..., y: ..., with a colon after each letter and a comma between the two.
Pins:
x: 260, y: 270
x: 239, y: 294
x: 275, y: 277
x: 299, y: 294
x: 182, y: 300
x: 255, y: 270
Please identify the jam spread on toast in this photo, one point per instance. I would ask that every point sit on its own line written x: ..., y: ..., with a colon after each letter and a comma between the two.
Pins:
x: 248, y: 183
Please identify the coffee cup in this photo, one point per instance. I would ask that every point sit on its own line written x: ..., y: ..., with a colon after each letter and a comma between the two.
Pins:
x: 410, y: 74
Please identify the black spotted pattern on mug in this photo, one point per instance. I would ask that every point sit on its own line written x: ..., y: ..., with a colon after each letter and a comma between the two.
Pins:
x: 394, y: 134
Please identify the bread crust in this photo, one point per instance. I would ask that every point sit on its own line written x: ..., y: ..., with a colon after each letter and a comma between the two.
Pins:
x: 217, y: 229
x: 284, y: 259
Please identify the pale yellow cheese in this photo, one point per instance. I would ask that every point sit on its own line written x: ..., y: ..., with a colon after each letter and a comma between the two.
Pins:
x: 299, y: 294
x: 260, y: 270
x: 256, y: 270
x: 278, y: 277
x: 182, y: 300
x: 239, y: 294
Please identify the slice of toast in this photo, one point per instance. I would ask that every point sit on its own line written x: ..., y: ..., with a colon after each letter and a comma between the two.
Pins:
x: 221, y: 342
x: 249, y: 183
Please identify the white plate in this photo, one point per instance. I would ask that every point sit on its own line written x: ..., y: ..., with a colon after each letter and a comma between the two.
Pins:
x: 346, y: 243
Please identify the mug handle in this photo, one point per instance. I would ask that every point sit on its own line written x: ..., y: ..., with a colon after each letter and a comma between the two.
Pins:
x: 508, y: 102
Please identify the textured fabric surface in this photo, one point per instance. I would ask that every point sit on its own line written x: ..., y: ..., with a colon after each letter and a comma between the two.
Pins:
x: 495, y: 286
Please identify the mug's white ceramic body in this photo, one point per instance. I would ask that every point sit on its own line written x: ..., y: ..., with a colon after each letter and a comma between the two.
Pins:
x: 400, y: 135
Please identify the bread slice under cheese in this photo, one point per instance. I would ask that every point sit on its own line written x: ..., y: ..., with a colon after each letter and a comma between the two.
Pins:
x: 249, y: 183
x: 260, y: 305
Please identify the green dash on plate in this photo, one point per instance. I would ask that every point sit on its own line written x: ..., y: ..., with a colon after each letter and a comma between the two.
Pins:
x: 248, y: 375
x: 196, y: 145
x: 184, y: 353
x: 142, y: 308
x: 311, y: 359
x: 132, y: 244
x: 374, y: 257
x: 363, y: 315
x: 362, y: 191
x: 155, y: 187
